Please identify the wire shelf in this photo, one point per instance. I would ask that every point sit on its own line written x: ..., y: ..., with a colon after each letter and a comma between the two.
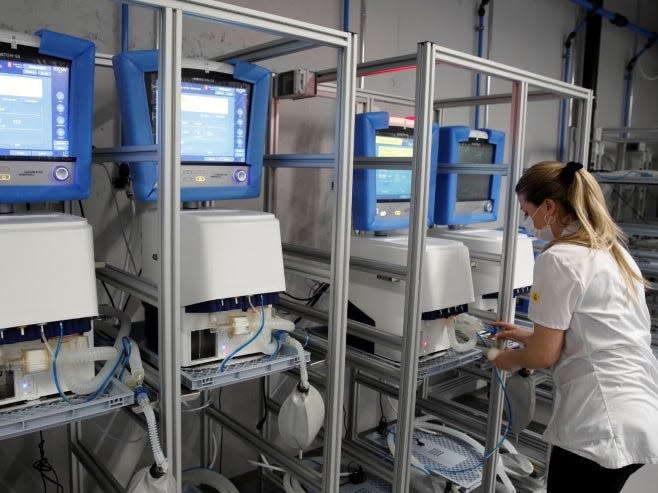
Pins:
x: 39, y: 415
x: 240, y: 370
x: 449, y: 457
x: 436, y: 363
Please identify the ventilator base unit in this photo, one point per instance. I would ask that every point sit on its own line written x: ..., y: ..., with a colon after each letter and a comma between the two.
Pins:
x: 446, y: 289
x: 231, y: 274
x: 47, y: 276
x: 485, y: 247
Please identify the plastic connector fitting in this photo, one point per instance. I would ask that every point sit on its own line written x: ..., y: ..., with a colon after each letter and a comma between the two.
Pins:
x: 139, y: 393
x: 238, y: 325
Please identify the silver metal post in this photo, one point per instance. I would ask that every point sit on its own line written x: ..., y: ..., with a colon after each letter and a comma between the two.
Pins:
x: 340, y: 260
x: 169, y: 206
x: 506, y: 306
x: 75, y: 468
x: 586, y: 108
x: 269, y: 174
x: 205, y: 430
x: 352, y: 422
x: 425, y: 73
x: 362, y: 40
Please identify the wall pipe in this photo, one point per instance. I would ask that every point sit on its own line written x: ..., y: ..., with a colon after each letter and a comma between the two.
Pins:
x: 125, y: 12
x: 346, y: 15
x: 615, y: 18
x: 566, y: 69
x: 480, y: 43
x: 628, y: 94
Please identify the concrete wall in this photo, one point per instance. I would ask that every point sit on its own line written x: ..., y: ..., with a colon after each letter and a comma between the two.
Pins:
x: 524, y: 33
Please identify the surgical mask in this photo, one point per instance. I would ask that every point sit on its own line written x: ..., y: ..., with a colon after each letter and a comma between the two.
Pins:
x: 571, y: 228
x: 544, y: 233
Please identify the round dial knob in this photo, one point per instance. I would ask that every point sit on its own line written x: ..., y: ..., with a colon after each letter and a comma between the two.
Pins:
x: 61, y: 173
x: 240, y: 175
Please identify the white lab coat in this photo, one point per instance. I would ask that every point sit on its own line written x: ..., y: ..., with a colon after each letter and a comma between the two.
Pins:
x: 606, y: 380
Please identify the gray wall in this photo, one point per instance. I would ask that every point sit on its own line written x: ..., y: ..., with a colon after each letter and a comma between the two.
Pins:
x: 524, y: 33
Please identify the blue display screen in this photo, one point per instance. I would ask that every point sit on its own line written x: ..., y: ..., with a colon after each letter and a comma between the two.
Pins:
x: 34, y: 105
x: 214, y: 117
x: 393, y: 184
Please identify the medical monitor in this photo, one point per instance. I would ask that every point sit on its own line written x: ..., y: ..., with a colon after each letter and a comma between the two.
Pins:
x: 467, y: 198
x: 46, y: 88
x: 381, y: 197
x: 223, y: 119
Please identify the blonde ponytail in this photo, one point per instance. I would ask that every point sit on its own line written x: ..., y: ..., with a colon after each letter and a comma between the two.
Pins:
x: 581, y: 197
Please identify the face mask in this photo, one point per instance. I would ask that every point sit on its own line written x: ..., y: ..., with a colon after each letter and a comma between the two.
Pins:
x: 544, y: 233
x: 571, y: 228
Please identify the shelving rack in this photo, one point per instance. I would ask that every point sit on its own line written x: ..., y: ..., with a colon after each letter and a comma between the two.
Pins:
x: 334, y: 265
x: 640, y: 226
x: 294, y: 36
x: 310, y: 262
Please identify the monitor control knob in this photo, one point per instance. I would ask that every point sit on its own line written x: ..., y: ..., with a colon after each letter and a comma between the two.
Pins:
x: 240, y: 175
x: 61, y: 173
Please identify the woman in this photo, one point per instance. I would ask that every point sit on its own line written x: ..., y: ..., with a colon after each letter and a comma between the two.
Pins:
x: 592, y: 324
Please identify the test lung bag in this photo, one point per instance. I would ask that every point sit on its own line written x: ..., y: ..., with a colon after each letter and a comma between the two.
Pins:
x: 223, y: 123
x: 46, y: 110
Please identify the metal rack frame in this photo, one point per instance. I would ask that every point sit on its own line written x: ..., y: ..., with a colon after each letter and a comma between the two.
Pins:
x: 425, y: 62
x: 167, y: 153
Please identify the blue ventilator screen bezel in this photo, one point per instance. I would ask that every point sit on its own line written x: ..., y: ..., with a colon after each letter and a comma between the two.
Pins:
x: 364, y: 196
x: 445, y: 205
x: 81, y: 54
x: 130, y: 69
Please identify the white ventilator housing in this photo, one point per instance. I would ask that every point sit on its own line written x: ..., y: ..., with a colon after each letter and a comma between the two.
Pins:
x: 445, y: 286
x: 485, y: 247
x: 225, y: 254
x: 47, y: 273
x: 46, y: 268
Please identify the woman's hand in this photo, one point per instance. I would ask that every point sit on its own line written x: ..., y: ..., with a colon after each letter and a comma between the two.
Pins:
x: 507, y: 361
x: 511, y: 332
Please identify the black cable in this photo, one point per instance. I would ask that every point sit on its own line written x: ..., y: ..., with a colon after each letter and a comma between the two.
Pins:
x: 221, y: 440
x: 82, y: 209
x: 383, y: 422
x: 108, y: 294
x: 314, y: 298
x: 261, y: 421
x: 296, y: 297
x: 43, y: 466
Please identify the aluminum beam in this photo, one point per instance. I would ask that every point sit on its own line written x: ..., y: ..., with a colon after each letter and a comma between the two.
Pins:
x: 136, y: 286
x: 134, y: 154
x: 417, y: 221
x: 340, y: 258
x: 104, y: 478
x: 169, y: 314
x: 266, y: 51
x: 506, y: 306
x: 355, y: 328
x: 251, y: 19
x: 357, y: 263
x: 306, y: 475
